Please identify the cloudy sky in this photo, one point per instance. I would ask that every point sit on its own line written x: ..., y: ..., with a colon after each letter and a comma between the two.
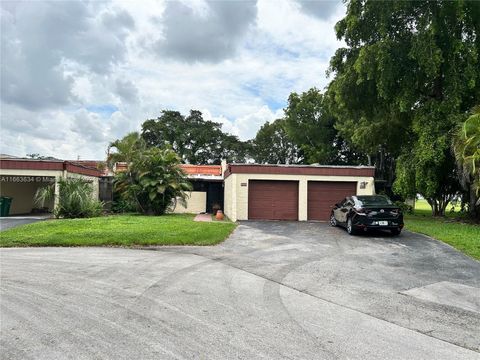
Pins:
x: 77, y: 75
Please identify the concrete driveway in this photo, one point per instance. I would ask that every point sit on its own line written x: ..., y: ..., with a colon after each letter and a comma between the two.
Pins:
x: 14, y: 221
x: 273, y: 290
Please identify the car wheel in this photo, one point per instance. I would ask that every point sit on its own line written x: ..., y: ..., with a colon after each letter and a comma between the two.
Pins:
x: 395, y: 232
x: 350, y: 229
x: 333, y: 221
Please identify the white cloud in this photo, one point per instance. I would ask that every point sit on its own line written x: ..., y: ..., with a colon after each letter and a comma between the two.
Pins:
x: 78, y: 75
x: 46, y: 44
x: 324, y: 9
x: 247, y: 125
x: 204, y: 31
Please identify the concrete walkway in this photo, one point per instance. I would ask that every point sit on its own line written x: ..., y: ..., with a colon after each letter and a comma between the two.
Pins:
x: 203, y: 217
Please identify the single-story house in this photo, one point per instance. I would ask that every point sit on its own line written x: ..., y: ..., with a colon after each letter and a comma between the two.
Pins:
x: 291, y: 192
x: 243, y: 191
x: 274, y: 192
x: 20, y: 178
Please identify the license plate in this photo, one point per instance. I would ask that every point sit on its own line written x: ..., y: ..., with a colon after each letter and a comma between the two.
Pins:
x: 383, y: 223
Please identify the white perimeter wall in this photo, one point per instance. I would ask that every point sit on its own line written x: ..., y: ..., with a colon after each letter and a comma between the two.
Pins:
x: 196, y: 203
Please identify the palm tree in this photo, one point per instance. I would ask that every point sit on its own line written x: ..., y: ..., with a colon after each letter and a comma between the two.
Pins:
x: 153, y: 179
x: 127, y: 149
x: 157, y: 181
x: 163, y: 179
x: 466, y: 147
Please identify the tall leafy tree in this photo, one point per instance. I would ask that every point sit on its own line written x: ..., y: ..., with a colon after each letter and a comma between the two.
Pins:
x: 272, y: 145
x: 194, y: 139
x: 310, y: 125
x: 398, y: 87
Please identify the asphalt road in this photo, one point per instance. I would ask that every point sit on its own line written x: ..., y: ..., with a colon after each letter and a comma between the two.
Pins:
x: 272, y: 290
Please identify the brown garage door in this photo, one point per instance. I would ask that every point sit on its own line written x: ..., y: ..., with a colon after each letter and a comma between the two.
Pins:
x: 323, y: 194
x: 272, y: 200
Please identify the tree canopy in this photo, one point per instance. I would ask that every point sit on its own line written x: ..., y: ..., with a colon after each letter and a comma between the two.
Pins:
x: 407, y: 77
x: 310, y: 125
x: 272, y: 145
x: 194, y: 139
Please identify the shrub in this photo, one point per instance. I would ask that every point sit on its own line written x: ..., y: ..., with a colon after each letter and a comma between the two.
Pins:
x: 122, y: 206
x: 406, y: 209
x: 75, y: 199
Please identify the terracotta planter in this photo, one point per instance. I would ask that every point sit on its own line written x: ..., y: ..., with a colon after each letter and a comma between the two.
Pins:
x: 219, y: 215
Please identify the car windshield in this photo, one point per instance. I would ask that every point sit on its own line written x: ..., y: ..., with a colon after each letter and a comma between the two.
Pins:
x: 373, y: 200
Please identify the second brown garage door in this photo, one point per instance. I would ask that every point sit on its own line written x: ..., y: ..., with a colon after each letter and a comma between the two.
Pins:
x: 323, y: 194
x: 272, y: 200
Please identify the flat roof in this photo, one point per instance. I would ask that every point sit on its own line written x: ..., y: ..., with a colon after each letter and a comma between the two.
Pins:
x: 202, y: 170
x: 192, y: 171
x: 52, y: 165
x: 329, y: 170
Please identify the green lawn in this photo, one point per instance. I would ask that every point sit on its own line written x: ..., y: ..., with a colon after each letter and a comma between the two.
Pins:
x: 423, y: 208
x: 118, y: 230
x: 450, y: 229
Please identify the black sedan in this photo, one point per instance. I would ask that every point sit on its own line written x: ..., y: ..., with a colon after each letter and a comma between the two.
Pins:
x: 366, y: 212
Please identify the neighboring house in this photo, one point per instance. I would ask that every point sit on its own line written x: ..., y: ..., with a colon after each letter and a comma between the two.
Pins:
x: 105, y: 180
x: 20, y: 178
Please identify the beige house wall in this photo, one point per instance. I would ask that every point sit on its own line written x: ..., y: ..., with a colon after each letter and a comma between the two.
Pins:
x: 236, y: 191
x: 22, y: 194
x: 196, y: 203
x: 230, y: 199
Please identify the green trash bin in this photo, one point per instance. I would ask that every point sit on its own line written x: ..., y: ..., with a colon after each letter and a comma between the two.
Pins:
x: 5, y: 202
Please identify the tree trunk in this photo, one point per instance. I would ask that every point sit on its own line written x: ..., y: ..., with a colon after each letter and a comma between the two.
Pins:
x: 473, y: 208
x: 442, y: 206
x: 438, y: 206
x: 433, y: 205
